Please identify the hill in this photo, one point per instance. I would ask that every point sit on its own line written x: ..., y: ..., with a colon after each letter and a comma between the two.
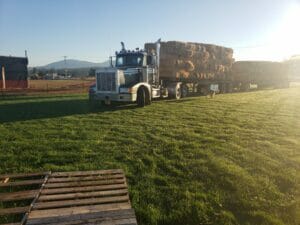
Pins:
x: 74, y: 64
x: 234, y: 159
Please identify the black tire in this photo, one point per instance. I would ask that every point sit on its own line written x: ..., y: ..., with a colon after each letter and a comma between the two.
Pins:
x: 261, y: 86
x: 184, y: 91
x: 222, y: 88
x: 148, y: 97
x: 229, y: 88
x: 93, y: 104
x: 141, y: 97
x: 92, y: 97
x: 203, y: 89
x: 245, y: 87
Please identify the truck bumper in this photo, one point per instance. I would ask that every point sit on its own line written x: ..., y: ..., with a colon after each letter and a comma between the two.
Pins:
x: 115, y: 97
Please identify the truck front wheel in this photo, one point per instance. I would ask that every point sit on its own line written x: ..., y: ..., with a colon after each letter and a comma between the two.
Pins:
x: 143, y: 97
x: 93, y: 104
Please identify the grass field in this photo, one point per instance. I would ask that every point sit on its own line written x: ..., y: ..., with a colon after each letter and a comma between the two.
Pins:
x: 58, y: 84
x: 234, y: 159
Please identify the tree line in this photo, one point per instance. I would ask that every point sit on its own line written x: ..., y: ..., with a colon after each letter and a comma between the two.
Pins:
x: 44, y: 73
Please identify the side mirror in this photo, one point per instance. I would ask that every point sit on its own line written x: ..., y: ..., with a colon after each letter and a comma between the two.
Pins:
x: 150, y: 60
x: 111, y: 62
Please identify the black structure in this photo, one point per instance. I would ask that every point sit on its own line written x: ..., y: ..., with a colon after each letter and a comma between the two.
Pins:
x: 16, y: 72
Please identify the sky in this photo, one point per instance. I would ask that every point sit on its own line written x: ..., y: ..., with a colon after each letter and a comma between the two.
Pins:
x: 92, y: 30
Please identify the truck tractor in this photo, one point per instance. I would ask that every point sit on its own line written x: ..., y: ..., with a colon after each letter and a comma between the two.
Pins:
x: 134, y: 78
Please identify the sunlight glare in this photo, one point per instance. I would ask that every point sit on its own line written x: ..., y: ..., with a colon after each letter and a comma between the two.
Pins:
x: 286, y: 39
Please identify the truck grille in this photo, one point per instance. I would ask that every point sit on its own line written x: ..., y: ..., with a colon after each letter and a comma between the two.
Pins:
x: 106, y: 81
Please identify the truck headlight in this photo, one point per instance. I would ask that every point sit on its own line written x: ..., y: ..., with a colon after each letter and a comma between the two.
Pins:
x: 126, y: 90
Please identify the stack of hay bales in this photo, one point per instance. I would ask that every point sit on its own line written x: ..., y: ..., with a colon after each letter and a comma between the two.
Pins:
x: 193, y: 61
x: 293, y: 65
x: 263, y: 72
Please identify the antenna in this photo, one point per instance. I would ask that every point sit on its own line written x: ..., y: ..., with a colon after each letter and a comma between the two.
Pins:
x: 26, y: 54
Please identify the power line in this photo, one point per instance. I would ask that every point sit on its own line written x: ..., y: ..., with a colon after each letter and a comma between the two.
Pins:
x: 65, y: 59
x: 66, y: 71
x: 253, y: 46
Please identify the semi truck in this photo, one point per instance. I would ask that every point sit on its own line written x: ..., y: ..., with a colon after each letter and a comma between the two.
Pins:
x: 137, y: 77
x: 177, y: 69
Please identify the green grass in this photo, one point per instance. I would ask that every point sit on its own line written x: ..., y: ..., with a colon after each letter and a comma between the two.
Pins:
x: 234, y: 159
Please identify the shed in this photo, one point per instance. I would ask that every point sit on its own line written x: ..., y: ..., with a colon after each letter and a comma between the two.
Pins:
x: 14, y: 72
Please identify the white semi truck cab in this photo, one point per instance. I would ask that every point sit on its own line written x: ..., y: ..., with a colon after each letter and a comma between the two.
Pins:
x: 134, y: 78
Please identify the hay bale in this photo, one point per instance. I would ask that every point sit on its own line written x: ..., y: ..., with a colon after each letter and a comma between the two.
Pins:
x: 293, y: 65
x: 259, y: 71
x: 181, y: 60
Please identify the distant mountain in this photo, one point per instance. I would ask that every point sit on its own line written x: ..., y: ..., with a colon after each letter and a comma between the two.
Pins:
x: 73, y: 64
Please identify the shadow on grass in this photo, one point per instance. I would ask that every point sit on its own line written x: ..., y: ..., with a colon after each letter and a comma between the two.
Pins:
x: 189, y: 99
x: 51, y: 109
x: 33, y: 97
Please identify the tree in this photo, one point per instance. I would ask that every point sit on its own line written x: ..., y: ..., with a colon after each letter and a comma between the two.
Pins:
x: 92, y: 72
x: 34, y: 70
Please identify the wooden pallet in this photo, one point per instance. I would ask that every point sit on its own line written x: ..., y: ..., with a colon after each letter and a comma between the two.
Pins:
x: 29, y: 183
x: 90, y: 197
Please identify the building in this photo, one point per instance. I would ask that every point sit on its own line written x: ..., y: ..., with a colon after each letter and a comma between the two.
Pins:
x: 14, y: 72
x: 51, y: 76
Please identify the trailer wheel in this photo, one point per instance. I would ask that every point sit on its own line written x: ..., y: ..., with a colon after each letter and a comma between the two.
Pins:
x: 203, y: 89
x: 184, y: 91
x: 174, y: 90
x: 229, y: 88
x: 141, y: 97
x: 245, y: 86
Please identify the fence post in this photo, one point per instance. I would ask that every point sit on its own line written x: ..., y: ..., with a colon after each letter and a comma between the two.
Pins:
x: 3, y: 78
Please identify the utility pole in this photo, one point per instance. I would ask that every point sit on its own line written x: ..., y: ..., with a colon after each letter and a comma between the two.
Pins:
x: 3, y: 78
x: 66, y: 71
x: 28, y: 80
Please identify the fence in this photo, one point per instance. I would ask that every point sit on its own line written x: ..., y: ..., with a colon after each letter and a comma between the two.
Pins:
x: 46, y: 87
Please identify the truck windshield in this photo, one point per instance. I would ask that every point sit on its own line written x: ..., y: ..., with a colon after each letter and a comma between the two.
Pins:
x: 133, y: 60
